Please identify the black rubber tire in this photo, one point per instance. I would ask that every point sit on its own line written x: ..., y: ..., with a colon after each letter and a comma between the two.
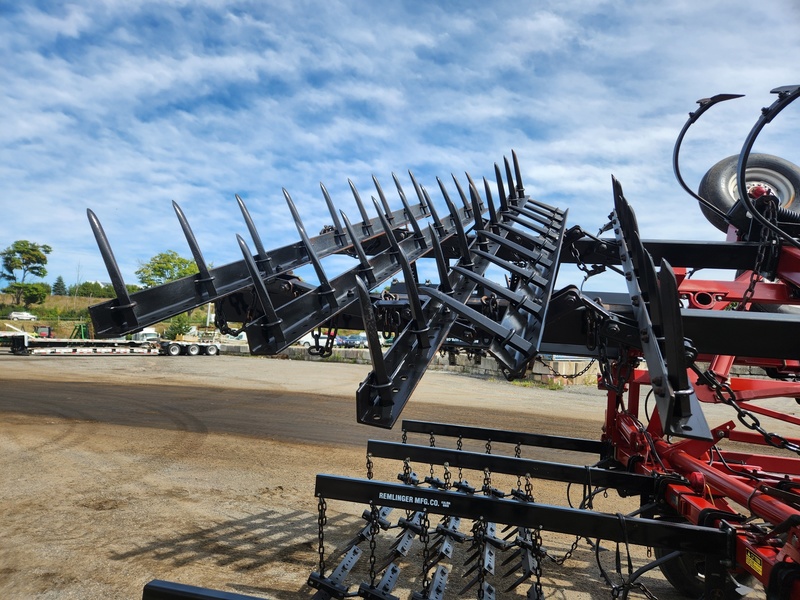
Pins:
x: 718, y: 185
x: 685, y: 573
x: 173, y: 349
x: 212, y: 350
x: 193, y: 350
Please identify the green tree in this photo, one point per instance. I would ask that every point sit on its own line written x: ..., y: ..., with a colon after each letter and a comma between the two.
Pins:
x: 35, y: 293
x: 164, y: 267
x: 59, y: 287
x: 20, y: 259
x: 178, y: 325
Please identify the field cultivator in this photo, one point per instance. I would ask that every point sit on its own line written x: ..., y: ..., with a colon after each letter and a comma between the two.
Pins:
x: 719, y: 502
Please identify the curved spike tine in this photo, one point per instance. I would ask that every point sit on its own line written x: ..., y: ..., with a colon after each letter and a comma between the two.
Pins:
x: 411, y: 286
x: 205, y: 276
x: 386, y: 208
x: 518, y: 173
x: 492, y: 212
x: 366, y: 268
x: 512, y: 190
x: 337, y: 226
x: 423, y: 206
x: 112, y: 267
x: 437, y: 223
x: 461, y: 236
x: 463, y: 196
x: 411, y: 219
x: 501, y: 192
x: 366, y: 222
x: 471, y: 184
x: 441, y: 264
x: 263, y: 260
x: 258, y: 286
x: 476, y: 210
x: 380, y: 373
x: 324, y: 284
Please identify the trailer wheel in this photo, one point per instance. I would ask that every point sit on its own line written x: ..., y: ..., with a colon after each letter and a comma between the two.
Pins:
x: 193, y: 350
x: 173, y: 349
x: 718, y: 185
x: 686, y: 572
x: 212, y: 350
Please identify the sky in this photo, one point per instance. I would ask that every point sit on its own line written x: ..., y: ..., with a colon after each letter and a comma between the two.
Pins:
x: 123, y: 107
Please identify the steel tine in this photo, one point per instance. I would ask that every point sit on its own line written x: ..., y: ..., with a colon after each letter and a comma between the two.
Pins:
x: 512, y: 190
x: 386, y: 208
x: 123, y: 298
x: 516, y: 300
x: 422, y: 204
x: 471, y: 185
x: 518, y: 173
x: 382, y: 381
x: 527, y: 275
x: 461, y: 236
x: 205, y: 276
x: 263, y: 261
x: 337, y: 226
x: 411, y: 285
x: 501, y: 192
x: 513, y: 555
x: 324, y: 285
x: 437, y: 223
x: 492, y: 212
x: 528, y: 225
x: 476, y: 214
x: 441, y: 264
x: 536, y: 214
x: 463, y: 196
x: 366, y: 267
x: 519, y: 580
x: 472, y: 582
x: 366, y: 222
x: 259, y: 288
x: 418, y: 237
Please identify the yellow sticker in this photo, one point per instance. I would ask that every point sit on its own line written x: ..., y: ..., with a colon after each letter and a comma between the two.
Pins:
x: 753, y: 561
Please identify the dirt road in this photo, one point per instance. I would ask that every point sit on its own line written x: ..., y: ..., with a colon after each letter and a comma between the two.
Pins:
x: 119, y: 470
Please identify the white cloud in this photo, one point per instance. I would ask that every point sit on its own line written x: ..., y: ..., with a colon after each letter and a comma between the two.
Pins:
x: 125, y: 108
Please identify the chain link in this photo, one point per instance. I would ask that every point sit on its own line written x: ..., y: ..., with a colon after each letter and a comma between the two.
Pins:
x: 322, y: 520
x: 583, y: 371
x: 767, y: 237
x: 479, y: 535
x: 369, y: 465
x: 727, y: 396
x: 426, y: 564
x: 373, y: 533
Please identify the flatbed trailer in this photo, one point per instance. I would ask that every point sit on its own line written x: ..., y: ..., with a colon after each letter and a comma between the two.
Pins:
x: 24, y: 345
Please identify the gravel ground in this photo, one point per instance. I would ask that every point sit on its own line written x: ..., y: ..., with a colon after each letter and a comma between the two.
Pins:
x: 118, y: 470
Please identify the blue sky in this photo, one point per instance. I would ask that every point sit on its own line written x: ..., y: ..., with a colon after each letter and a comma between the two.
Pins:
x: 123, y: 107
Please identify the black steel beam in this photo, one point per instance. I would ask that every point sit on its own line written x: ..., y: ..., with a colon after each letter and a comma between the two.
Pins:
x: 626, y: 483
x: 619, y: 528
x: 504, y: 436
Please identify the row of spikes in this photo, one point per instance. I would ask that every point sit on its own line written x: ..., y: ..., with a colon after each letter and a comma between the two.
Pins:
x: 205, y: 281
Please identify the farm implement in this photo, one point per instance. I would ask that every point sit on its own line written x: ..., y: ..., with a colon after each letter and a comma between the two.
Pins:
x: 717, y: 500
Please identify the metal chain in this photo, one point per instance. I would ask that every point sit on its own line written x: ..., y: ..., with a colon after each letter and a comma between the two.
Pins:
x: 459, y: 447
x: 536, y: 538
x: 432, y: 445
x: 424, y: 538
x: 479, y: 535
x: 369, y: 465
x: 322, y: 520
x: 557, y: 374
x: 767, y: 236
x: 488, y: 446
x: 528, y: 488
x: 448, y: 477
x: 726, y: 395
x: 518, y: 454
x: 373, y: 533
x: 487, y: 482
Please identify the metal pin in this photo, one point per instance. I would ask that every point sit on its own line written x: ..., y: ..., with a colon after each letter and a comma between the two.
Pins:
x: 123, y: 298
x: 492, y: 212
x: 273, y: 321
x: 441, y: 264
x: 461, y: 236
x: 434, y: 215
x: 337, y: 226
x: 366, y: 268
x: 386, y: 208
x: 366, y: 222
x: 418, y: 237
x: 501, y: 192
x: 463, y: 196
x: 422, y: 205
x: 324, y: 285
x: 512, y: 191
x: 379, y: 372
x: 476, y: 213
x: 264, y: 261
x: 205, y: 276
x: 518, y: 173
